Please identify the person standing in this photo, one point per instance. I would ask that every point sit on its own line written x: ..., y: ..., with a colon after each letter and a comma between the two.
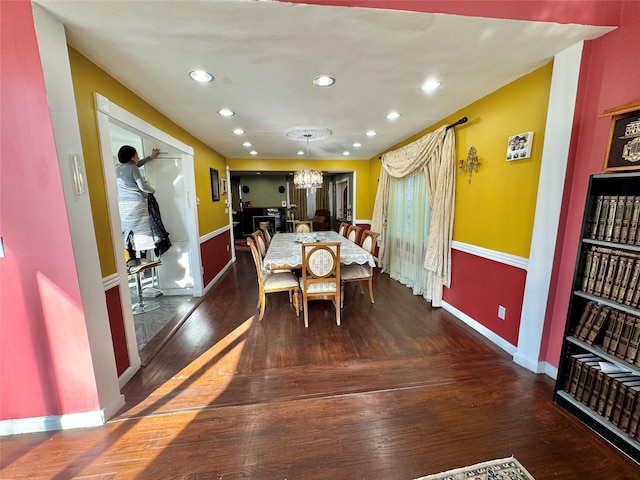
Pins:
x: 132, y: 203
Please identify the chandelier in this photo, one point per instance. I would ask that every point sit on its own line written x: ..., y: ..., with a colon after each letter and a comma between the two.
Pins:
x: 307, y: 178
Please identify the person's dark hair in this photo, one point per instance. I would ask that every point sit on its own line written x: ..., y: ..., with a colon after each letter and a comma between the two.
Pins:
x: 126, y: 153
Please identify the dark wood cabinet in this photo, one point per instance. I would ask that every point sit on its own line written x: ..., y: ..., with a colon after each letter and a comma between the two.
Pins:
x: 599, y: 371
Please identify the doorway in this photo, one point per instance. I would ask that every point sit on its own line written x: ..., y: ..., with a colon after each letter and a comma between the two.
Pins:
x: 172, y: 175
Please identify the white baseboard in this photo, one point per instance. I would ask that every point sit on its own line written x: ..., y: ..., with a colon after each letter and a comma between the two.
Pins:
x: 218, y: 276
x: 478, y: 327
x: 54, y: 422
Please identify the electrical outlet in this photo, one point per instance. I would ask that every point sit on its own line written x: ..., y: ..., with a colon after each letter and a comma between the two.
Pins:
x: 502, y: 312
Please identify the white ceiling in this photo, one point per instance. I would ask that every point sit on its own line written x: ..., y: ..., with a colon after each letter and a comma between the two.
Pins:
x: 265, y: 55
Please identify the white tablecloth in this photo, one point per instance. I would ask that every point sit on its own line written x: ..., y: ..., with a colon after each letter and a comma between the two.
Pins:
x: 285, y: 250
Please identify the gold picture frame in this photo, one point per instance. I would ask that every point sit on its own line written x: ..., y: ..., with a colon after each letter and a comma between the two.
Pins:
x: 623, y: 152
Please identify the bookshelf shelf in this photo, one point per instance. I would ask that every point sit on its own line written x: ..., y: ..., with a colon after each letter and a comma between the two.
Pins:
x: 625, y: 443
x: 604, y: 355
x: 599, y: 371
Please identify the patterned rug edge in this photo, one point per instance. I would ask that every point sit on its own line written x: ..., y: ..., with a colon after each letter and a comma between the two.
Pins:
x: 482, y: 468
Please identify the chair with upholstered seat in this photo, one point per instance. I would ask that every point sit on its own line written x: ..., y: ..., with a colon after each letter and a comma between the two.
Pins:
x: 353, y: 232
x: 359, y: 273
x: 274, y: 282
x: 321, y: 220
x: 302, y: 226
x: 342, y: 230
x: 320, y: 275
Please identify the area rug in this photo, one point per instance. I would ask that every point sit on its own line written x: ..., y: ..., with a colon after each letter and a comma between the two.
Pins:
x: 503, y: 469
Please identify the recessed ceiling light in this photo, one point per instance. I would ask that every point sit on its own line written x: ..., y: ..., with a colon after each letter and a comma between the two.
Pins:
x: 238, y: 131
x: 225, y: 112
x: 346, y: 153
x: 253, y: 152
x: 393, y: 115
x: 201, y: 76
x: 357, y: 145
x: 371, y: 133
x: 300, y: 152
x: 246, y: 144
x: 430, y: 86
x: 258, y: 173
x: 324, y: 81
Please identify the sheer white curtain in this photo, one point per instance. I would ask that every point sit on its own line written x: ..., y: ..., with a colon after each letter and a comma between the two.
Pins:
x: 408, y: 220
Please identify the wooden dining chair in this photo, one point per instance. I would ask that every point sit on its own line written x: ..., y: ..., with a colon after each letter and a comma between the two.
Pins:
x: 359, y: 273
x: 342, y: 230
x: 274, y: 282
x: 303, y: 226
x: 353, y: 232
x: 267, y: 236
x: 320, y: 275
x: 261, y: 243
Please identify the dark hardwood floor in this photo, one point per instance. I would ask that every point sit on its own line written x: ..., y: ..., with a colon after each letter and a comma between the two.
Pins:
x: 398, y: 391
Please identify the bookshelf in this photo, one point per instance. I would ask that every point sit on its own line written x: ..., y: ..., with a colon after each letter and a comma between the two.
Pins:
x: 599, y: 372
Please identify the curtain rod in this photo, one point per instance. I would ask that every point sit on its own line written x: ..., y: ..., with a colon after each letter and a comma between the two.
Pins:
x: 459, y: 122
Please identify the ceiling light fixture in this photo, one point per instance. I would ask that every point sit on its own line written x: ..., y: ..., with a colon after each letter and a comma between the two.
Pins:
x: 430, y: 86
x: 225, y: 112
x: 357, y: 145
x: 371, y: 133
x: 246, y: 144
x: 346, y: 153
x: 238, y: 131
x: 200, y: 76
x: 307, y: 178
x: 253, y: 152
x: 324, y: 81
x: 393, y: 115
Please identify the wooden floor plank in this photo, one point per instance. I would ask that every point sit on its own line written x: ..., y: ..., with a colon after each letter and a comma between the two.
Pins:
x: 398, y: 391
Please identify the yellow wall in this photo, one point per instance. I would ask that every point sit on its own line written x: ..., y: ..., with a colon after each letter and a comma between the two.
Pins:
x: 87, y: 79
x: 496, y: 210
x: 360, y: 167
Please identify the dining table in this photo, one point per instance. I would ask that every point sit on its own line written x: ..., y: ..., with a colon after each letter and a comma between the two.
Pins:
x: 285, y: 250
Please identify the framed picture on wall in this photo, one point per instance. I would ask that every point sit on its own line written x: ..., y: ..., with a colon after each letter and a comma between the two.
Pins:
x: 215, y: 185
x: 624, y: 138
x: 519, y: 146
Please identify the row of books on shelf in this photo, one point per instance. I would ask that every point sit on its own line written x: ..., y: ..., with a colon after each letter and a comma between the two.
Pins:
x: 607, y: 389
x: 614, y: 218
x: 612, y: 274
x: 619, y: 331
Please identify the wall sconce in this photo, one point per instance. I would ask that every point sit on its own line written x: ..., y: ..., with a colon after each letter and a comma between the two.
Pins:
x: 471, y: 164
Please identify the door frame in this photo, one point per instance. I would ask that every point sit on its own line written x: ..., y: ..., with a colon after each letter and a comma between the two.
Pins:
x: 105, y: 111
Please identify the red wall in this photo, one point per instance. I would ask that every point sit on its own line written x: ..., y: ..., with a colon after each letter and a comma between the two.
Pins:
x: 116, y: 325
x: 45, y: 362
x: 610, y: 77
x: 216, y: 253
x: 480, y: 286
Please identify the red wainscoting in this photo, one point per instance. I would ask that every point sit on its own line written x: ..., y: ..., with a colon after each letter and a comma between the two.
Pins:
x: 216, y: 253
x: 116, y: 324
x: 479, y: 286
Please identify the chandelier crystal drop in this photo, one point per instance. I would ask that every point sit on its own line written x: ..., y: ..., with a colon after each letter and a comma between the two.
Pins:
x: 307, y: 178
